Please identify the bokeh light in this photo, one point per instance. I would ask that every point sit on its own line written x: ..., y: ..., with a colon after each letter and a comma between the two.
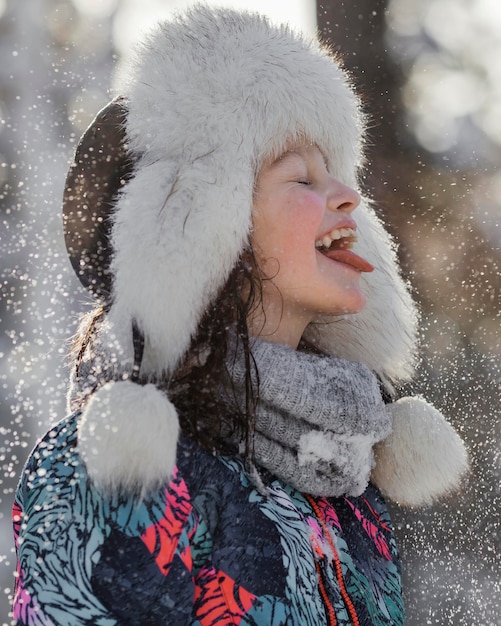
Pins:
x: 135, y: 17
x: 450, y: 48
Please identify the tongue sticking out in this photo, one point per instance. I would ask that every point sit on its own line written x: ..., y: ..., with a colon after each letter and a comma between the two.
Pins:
x: 350, y: 258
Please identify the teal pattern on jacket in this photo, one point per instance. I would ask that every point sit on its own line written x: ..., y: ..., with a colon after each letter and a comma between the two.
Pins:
x: 208, y: 549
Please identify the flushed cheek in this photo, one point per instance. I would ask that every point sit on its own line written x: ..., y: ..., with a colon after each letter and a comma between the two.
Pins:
x: 286, y: 230
x: 302, y: 227
x: 307, y: 209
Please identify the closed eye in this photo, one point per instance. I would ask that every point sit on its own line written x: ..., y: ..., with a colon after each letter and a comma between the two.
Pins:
x: 304, y: 182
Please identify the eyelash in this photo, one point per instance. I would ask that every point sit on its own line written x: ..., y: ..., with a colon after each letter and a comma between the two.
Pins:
x: 304, y: 182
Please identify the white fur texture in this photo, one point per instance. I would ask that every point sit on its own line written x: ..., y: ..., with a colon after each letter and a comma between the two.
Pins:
x: 423, y: 459
x: 127, y: 437
x: 211, y: 96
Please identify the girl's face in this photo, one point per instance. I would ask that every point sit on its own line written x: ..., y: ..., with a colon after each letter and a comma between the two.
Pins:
x: 302, y: 233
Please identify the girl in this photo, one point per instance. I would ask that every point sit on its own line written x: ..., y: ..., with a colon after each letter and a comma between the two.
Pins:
x: 227, y: 391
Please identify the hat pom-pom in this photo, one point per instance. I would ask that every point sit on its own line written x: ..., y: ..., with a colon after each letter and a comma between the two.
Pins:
x: 127, y: 437
x: 423, y: 458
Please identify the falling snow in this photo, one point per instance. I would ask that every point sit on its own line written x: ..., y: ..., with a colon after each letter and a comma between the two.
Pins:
x: 57, y: 61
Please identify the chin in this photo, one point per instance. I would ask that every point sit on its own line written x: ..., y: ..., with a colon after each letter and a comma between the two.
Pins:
x: 354, y: 302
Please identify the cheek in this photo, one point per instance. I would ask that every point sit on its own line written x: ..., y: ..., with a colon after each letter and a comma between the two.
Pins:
x: 287, y: 228
x: 303, y: 210
x: 304, y: 221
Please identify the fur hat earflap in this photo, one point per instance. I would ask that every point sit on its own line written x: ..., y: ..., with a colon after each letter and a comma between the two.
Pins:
x: 423, y: 459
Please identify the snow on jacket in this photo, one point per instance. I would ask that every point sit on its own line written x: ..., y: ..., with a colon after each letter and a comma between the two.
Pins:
x: 208, y: 549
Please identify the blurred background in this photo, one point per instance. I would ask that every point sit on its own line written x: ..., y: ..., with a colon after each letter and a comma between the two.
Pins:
x: 430, y: 75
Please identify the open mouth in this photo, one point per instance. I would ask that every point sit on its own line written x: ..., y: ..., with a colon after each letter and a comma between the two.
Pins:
x: 337, y: 246
x: 337, y: 239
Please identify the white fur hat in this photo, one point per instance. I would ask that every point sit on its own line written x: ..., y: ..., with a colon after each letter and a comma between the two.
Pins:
x: 207, y: 99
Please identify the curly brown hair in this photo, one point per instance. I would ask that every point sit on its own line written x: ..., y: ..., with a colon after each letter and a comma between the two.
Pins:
x: 209, y: 409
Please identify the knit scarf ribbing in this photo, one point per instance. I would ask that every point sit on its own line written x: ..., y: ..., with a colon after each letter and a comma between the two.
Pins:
x: 317, y: 419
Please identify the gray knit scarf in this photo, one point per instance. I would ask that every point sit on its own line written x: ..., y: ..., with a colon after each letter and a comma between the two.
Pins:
x: 317, y: 418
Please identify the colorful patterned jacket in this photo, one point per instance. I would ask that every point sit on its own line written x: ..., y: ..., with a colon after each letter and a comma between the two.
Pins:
x: 208, y: 549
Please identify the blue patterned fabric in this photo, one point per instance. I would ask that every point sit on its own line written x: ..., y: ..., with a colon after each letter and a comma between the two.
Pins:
x: 208, y: 549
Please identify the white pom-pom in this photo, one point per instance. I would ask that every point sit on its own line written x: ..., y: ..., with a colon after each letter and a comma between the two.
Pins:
x: 127, y: 437
x: 423, y: 459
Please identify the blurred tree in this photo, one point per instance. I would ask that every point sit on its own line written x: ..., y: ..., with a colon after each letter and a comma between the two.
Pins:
x: 435, y: 206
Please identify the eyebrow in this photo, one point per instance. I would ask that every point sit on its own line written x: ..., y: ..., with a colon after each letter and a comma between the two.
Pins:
x: 287, y: 156
x: 293, y: 153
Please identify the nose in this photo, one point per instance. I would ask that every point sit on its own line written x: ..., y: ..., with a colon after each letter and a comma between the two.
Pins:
x: 342, y: 198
